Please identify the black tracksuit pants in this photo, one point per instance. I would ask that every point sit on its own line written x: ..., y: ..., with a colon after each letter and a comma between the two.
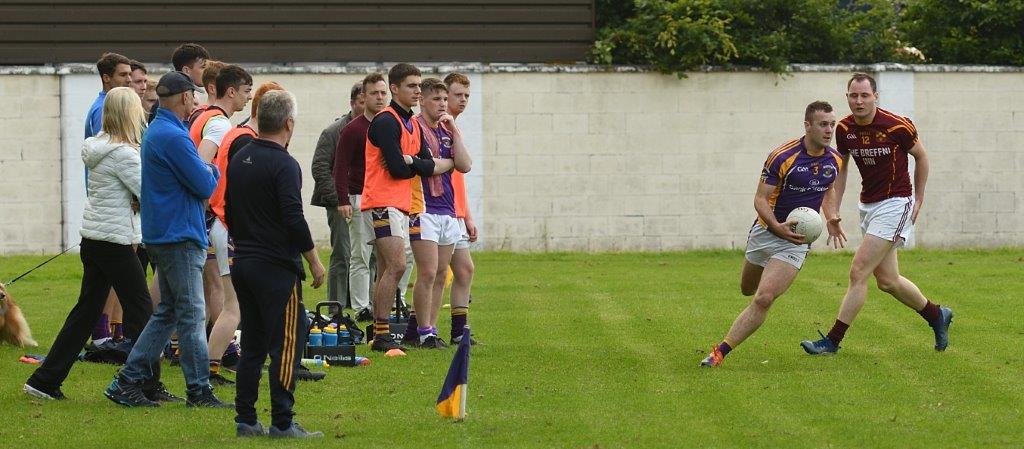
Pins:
x: 105, y: 265
x: 273, y: 323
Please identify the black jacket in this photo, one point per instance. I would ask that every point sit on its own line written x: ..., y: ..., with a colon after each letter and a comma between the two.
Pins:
x: 264, y: 206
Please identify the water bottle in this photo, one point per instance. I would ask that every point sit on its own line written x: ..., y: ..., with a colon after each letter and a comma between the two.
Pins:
x: 315, y: 362
x: 316, y: 338
x: 344, y: 336
x: 330, y: 336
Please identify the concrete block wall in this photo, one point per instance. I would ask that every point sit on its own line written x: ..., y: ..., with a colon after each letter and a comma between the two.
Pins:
x: 626, y: 161
x: 973, y: 127
x: 592, y: 160
x: 30, y: 163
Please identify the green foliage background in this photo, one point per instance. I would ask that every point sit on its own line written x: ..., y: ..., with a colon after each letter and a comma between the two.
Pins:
x: 681, y: 35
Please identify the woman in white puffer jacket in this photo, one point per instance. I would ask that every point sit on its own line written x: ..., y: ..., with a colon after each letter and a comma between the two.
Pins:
x: 109, y: 229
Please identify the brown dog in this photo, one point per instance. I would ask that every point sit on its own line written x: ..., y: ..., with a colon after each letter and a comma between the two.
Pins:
x: 13, y: 328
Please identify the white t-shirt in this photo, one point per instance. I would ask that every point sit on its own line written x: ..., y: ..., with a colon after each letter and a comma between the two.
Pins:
x: 216, y: 128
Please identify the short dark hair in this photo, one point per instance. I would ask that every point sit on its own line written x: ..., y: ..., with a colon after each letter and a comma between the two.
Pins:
x: 109, y: 61
x: 456, y: 77
x: 431, y: 85
x: 860, y: 76
x: 186, y: 54
x: 231, y: 76
x: 136, y: 65
x: 815, y: 107
x: 372, y: 78
x: 400, y: 72
x: 357, y: 89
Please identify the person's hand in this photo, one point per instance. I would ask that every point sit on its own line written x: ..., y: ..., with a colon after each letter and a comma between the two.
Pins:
x: 345, y: 211
x: 319, y: 274
x: 407, y: 158
x: 471, y: 229
x: 447, y: 120
x: 785, y: 231
x: 836, y: 236
x: 917, y: 209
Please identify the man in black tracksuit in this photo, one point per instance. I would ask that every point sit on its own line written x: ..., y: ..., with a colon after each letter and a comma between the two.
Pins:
x: 264, y: 213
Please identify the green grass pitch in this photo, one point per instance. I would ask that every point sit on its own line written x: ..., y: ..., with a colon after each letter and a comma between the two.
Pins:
x: 601, y: 350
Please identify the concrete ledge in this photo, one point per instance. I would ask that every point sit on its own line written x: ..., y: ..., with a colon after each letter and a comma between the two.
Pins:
x: 328, y: 68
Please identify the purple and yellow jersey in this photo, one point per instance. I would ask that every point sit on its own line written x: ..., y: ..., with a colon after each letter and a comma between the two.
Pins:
x: 444, y: 204
x: 800, y: 179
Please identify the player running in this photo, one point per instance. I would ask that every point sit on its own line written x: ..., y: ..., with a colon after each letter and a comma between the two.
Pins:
x: 879, y: 142
x: 800, y: 173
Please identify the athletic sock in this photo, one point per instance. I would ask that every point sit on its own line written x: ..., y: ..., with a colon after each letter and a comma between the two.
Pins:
x: 724, y: 348
x: 460, y: 315
x: 410, y: 327
x: 381, y: 327
x: 424, y: 333
x: 214, y: 367
x: 838, y: 332
x: 102, y: 328
x: 116, y: 330
x: 931, y: 313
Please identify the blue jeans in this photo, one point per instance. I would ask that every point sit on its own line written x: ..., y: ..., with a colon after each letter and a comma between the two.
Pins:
x: 181, y: 307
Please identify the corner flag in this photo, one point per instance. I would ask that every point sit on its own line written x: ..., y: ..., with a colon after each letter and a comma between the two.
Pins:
x: 451, y: 403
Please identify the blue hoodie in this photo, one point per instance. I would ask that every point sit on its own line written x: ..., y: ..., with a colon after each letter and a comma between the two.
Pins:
x: 175, y: 184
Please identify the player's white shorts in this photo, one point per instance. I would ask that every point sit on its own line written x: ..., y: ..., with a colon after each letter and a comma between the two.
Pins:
x: 383, y: 222
x: 441, y: 229
x: 762, y: 245
x: 463, y: 242
x: 888, y: 219
x: 221, y: 246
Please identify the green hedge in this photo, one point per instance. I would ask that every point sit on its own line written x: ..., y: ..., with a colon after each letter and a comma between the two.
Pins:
x: 680, y: 35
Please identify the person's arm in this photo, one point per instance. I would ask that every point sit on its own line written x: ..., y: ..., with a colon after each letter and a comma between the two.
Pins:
x: 764, y: 210
x: 920, y: 177
x: 836, y: 236
x: 199, y: 177
x: 462, y: 159
x: 343, y: 155
x: 425, y: 164
x: 323, y: 162
x: 385, y: 133
x: 216, y: 128
x: 289, y: 199
x: 129, y: 169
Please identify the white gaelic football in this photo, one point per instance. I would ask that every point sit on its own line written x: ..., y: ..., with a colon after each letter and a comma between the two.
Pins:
x: 808, y: 224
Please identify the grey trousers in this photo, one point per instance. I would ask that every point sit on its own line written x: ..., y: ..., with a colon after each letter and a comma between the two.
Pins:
x: 337, y: 271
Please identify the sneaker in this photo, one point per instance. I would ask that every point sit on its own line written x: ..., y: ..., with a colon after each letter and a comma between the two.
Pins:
x: 364, y: 315
x: 159, y: 393
x: 713, y: 359
x: 942, y: 328
x: 432, y: 342
x: 128, y: 394
x: 823, y: 346
x: 410, y: 340
x: 303, y: 373
x: 230, y: 357
x: 385, y: 343
x: 207, y: 399
x: 457, y: 340
x: 295, y: 431
x: 40, y: 392
x: 219, y: 381
x: 243, y: 430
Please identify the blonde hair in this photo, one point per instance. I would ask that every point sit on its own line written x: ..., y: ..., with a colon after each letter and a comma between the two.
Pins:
x: 123, y: 116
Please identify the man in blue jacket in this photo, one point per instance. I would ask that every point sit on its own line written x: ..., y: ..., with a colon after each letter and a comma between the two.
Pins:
x: 175, y: 185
